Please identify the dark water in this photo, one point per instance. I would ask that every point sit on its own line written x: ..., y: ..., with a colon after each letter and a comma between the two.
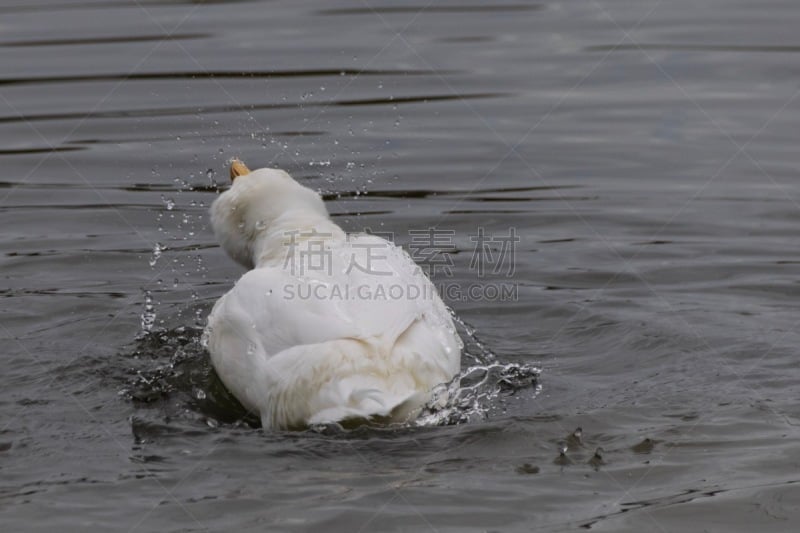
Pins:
x: 644, y: 152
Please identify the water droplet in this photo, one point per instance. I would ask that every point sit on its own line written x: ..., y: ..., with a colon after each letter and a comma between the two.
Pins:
x: 148, y: 318
x: 158, y: 249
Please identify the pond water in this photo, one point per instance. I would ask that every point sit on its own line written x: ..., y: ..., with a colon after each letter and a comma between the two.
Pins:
x: 645, y: 154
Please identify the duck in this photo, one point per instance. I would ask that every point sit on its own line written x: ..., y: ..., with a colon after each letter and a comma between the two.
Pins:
x: 325, y: 327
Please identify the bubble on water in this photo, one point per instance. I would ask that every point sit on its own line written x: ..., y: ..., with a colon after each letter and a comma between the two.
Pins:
x: 169, y: 203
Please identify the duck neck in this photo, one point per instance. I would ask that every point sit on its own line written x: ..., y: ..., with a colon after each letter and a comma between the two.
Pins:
x: 290, y: 232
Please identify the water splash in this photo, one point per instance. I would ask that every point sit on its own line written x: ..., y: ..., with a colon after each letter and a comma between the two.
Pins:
x: 148, y: 316
x: 158, y: 250
x: 171, y: 367
x: 179, y: 254
x: 478, y: 391
x: 475, y: 394
x: 169, y: 203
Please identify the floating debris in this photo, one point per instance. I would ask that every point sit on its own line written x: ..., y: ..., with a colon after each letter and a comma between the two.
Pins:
x: 527, y: 468
x: 562, y: 458
x: 575, y: 439
x: 597, y: 459
x: 646, y: 446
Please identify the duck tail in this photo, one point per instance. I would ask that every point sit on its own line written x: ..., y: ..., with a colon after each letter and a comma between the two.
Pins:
x: 372, y: 404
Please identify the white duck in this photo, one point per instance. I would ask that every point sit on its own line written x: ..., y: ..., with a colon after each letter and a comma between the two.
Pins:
x: 326, y: 326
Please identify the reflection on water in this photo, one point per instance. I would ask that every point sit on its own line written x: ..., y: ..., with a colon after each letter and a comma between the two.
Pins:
x: 645, y: 153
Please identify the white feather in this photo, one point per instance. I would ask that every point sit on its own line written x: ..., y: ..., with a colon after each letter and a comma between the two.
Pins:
x: 304, y: 339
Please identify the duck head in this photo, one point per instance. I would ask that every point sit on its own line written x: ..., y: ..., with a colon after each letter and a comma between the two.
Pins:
x: 257, y: 205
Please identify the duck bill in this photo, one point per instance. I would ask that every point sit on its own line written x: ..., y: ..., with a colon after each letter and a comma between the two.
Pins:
x: 238, y: 169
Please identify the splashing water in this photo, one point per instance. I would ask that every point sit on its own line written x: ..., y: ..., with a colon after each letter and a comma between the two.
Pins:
x: 169, y: 203
x: 476, y: 393
x: 158, y: 250
x: 172, y: 367
x: 148, y: 317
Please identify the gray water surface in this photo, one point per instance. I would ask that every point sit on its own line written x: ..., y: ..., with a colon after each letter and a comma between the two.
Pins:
x: 646, y: 153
